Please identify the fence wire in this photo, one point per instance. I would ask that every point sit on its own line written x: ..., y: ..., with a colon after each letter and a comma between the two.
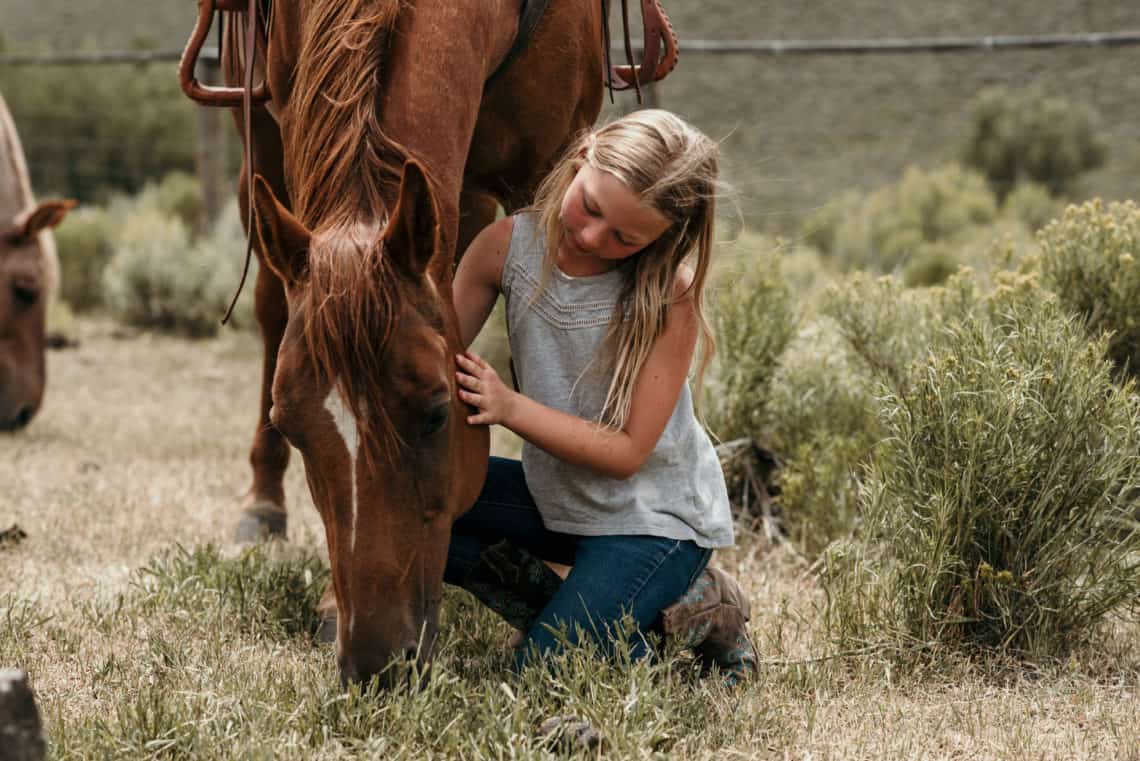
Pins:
x: 893, y: 46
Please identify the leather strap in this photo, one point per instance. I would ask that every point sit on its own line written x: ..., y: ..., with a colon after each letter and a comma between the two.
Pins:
x: 532, y: 12
x: 250, y: 22
x: 195, y: 90
x: 659, y: 51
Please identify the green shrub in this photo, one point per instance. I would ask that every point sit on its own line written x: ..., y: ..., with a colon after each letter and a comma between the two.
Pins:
x: 819, y: 229
x: 823, y: 400
x: 180, y: 195
x: 888, y: 327
x: 753, y: 321
x: 999, y: 508
x: 823, y: 425
x: 1016, y: 137
x: 931, y: 264
x: 86, y: 242
x: 884, y: 230
x: 1089, y: 258
x: 1031, y: 204
x: 159, y: 279
x: 88, y: 130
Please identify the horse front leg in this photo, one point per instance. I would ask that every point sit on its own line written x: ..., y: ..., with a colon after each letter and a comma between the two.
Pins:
x: 263, y: 513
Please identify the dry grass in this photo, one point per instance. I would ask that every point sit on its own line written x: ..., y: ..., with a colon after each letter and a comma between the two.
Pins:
x: 142, y: 444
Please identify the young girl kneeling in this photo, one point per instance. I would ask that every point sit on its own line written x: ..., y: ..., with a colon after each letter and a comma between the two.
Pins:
x: 617, y: 478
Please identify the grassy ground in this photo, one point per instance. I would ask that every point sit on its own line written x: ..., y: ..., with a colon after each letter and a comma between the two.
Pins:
x: 140, y: 649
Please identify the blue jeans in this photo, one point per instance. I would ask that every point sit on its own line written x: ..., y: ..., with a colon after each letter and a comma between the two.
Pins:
x: 612, y: 575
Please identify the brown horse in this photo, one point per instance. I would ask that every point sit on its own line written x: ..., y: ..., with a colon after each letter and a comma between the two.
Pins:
x: 29, y: 276
x: 382, y: 152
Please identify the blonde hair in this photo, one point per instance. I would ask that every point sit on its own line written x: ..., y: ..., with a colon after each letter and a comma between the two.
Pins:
x: 671, y: 167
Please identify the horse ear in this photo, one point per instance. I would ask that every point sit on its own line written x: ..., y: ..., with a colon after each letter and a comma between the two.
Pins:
x: 43, y: 216
x: 413, y: 226
x: 284, y: 240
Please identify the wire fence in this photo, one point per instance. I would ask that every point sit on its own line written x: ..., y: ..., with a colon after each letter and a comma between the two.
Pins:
x: 892, y: 46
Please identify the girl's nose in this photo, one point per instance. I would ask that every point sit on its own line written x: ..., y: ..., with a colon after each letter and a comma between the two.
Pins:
x: 593, y: 234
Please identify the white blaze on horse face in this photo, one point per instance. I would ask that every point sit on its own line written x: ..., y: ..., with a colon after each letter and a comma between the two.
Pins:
x: 345, y: 423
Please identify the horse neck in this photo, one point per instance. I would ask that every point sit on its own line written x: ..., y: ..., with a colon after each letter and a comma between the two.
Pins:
x: 428, y: 109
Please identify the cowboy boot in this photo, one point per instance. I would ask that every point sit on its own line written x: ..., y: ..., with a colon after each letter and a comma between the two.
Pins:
x: 710, y: 619
x: 513, y: 583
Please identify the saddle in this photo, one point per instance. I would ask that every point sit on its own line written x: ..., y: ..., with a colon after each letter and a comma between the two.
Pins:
x: 658, y: 57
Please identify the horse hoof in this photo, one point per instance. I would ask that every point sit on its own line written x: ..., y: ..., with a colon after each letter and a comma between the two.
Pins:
x: 569, y: 734
x: 261, y: 522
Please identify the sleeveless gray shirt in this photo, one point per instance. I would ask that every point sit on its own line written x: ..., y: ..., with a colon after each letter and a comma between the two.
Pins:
x: 556, y: 345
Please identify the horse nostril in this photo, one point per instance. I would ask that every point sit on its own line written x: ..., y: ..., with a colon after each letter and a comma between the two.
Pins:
x: 24, y: 416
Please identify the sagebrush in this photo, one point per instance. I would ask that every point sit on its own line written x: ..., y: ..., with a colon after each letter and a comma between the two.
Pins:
x: 1091, y: 259
x: 1000, y: 506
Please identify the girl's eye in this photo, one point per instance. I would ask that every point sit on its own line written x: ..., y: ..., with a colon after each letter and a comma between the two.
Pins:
x: 589, y: 209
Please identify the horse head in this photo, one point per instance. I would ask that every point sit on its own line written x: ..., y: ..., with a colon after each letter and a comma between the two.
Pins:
x: 364, y: 388
x: 25, y: 287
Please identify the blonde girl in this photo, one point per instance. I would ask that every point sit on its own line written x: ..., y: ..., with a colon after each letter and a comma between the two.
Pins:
x: 603, y: 279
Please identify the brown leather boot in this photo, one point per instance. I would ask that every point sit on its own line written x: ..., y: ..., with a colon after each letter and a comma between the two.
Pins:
x: 710, y: 619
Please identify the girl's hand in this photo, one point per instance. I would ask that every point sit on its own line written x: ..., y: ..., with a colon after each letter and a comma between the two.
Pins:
x: 481, y: 387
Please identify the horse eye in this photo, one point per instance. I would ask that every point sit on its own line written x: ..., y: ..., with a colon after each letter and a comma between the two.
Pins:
x: 25, y: 295
x: 435, y: 420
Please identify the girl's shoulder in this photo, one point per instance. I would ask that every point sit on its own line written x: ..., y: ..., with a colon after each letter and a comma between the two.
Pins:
x: 497, y: 235
x: 683, y: 282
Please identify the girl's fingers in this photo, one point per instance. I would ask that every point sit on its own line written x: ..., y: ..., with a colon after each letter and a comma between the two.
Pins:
x: 475, y: 360
x: 468, y: 381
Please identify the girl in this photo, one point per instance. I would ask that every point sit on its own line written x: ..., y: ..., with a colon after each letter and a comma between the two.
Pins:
x: 617, y: 478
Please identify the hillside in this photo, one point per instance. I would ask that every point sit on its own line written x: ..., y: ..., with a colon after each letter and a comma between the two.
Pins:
x: 796, y: 130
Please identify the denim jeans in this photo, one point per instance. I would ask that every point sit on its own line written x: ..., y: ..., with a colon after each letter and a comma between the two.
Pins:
x: 612, y: 575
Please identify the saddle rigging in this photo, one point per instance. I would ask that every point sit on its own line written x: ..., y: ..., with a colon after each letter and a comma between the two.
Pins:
x: 659, y: 57
x: 659, y: 48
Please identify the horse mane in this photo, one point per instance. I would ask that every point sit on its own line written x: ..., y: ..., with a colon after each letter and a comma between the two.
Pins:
x: 346, y: 171
x: 338, y: 144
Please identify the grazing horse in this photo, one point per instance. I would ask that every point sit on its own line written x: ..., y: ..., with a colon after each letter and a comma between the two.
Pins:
x: 386, y: 145
x: 29, y: 277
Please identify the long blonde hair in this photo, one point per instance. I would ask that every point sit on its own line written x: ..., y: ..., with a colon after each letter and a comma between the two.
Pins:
x: 671, y: 167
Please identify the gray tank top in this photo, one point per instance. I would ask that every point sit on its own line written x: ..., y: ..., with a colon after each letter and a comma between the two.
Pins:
x: 556, y: 345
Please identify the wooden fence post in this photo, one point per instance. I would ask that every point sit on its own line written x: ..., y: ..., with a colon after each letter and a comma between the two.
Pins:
x: 210, y: 153
x: 21, y: 735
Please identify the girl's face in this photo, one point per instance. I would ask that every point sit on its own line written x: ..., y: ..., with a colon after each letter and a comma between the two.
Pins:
x: 604, y: 222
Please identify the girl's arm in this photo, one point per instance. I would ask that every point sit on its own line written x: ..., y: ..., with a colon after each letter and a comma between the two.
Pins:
x: 476, y: 283
x: 617, y: 454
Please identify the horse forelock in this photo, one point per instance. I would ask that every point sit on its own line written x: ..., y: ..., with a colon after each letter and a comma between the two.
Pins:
x: 342, y: 163
x: 350, y: 316
x: 342, y: 170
